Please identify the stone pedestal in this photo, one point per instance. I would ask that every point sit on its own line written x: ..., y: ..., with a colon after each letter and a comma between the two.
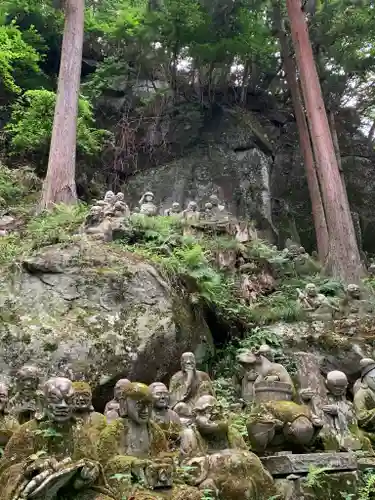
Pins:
x: 314, y: 476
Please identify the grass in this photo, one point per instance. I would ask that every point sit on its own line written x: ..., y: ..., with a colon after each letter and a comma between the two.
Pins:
x: 47, y: 228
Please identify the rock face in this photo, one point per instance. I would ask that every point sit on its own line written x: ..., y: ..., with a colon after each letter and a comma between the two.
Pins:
x: 94, y: 310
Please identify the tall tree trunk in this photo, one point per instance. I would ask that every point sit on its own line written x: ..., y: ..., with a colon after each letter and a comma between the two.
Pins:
x: 344, y: 259
x: 318, y: 214
x: 59, y: 184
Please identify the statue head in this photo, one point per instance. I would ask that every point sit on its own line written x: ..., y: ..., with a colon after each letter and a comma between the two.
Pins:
x: 208, y: 207
x: 192, y: 206
x: 353, y: 291
x: 337, y: 383
x: 175, y: 207
x: 28, y: 379
x: 266, y: 351
x: 4, y: 397
x: 148, y: 197
x: 367, y: 366
x: 214, y: 200
x: 208, y: 416
x: 311, y: 290
x: 118, y: 387
x: 120, y: 196
x: 59, y: 399
x: 188, y: 363
x: 95, y: 211
x: 302, y: 250
x: 110, y: 197
x: 136, y: 402
x: 160, y: 395
x: 82, y: 397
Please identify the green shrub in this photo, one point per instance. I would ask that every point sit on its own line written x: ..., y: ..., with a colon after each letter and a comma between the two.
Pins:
x: 16, y: 185
x: 30, y: 126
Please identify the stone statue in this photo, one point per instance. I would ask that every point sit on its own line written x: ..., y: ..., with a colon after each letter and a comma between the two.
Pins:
x: 217, y: 207
x: 175, y: 210
x: 208, y: 211
x: 132, y: 443
x: 26, y: 404
x: 218, y: 456
x: 248, y: 375
x: 189, y: 384
x: 84, y: 411
x: 191, y: 213
x: 315, y: 304
x: 340, y: 412
x: 161, y: 413
x: 168, y: 419
x: 109, y: 198
x: 111, y: 410
x: 53, y: 454
x: 353, y: 305
x: 364, y: 398
x: 267, y: 370
x: 121, y: 209
x: 8, y: 424
x: 147, y: 205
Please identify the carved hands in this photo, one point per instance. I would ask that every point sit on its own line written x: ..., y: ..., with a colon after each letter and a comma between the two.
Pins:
x: 330, y: 409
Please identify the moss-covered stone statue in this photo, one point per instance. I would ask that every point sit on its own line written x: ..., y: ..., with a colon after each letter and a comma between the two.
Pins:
x: 27, y: 402
x: 162, y: 415
x: 218, y: 458
x: 188, y: 385
x: 53, y: 457
x: 340, y: 415
x: 276, y: 422
x: 84, y: 411
x: 111, y: 410
x: 364, y: 398
x: 353, y: 304
x: 8, y: 424
x: 315, y: 305
x: 131, y: 446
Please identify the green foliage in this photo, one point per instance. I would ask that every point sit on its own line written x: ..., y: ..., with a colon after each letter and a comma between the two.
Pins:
x: 30, y: 126
x: 314, y: 475
x: 17, y: 186
x: 368, y: 490
x: 50, y: 227
x: 17, y: 58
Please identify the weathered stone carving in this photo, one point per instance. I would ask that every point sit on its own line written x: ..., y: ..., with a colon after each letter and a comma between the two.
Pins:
x: 52, y: 455
x: 26, y: 404
x: 353, y: 305
x: 191, y: 213
x: 189, y: 384
x: 175, y: 210
x: 208, y: 211
x: 268, y: 370
x: 84, y: 411
x: 147, y: 205
x: 217, y: 455
x: 161, y: 413
x: 340, y: 412
x: 218, y: 210
x: 248, y: 375
x: 8, y: 424
x: 168, y: 419
x: 315, y: 304
x: 111, y: 410
x: 121, y: 209
x: 364, y: 398
x: 131, y: 444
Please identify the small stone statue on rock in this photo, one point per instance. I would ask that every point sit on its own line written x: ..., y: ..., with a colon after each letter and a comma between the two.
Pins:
x: 147, y: 205
x: 175, y: 210
x: 354, y: 305
x: 316, y: 305
x: 191, y: 213
x: 26, y: 404
x: 111, y: 410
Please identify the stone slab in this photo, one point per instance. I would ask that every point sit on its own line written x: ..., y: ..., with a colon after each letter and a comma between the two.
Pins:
x: 283, y: 465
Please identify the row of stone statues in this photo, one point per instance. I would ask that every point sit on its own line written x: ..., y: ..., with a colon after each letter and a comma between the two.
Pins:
x: 114, y: 205
x: 319, y: 307
x: 57, y: 446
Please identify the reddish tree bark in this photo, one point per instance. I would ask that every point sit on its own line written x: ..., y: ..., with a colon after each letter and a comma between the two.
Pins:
x: 59, y: 185
x: 318, y: 214
x: 344, y: 259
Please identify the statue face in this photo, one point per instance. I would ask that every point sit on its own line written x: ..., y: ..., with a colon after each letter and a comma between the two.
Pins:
x: 138, y: 411
x: 188, y: 362
x: 337, y: 383
x: 120, y: 196
x: 214, y: 200
x: 117, y: 390
x: 149, y: 197
x: 175, y: 207
x: 311, y: 290
x: 192, y: 206
x: 354, y: 291
x: 59, y: 396
x: 369, y: 379
x: 3, y: 398
x: 82, y: 401
x: 28, y: 383
x: 160, y: 396
x: 109, y: 197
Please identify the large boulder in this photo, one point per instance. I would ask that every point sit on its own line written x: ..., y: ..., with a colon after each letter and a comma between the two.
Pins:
x: 95, y: 311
